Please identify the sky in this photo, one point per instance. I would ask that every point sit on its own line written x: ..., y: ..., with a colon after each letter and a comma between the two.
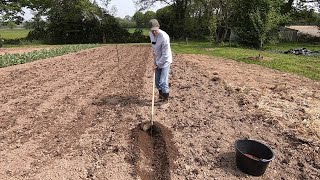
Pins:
x: 124, y: 7
x: 127, y: 7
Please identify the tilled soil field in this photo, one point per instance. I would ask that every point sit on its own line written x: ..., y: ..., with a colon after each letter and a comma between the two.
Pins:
x: 78, y: 116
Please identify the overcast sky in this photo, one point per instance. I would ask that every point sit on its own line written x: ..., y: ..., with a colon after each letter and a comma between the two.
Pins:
x: 124, y: 7
x: 127, y: 7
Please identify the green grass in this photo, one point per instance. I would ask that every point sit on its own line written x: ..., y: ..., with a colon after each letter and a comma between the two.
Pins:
x: 14, y: 59
x: 14, y: 33
x: 145, y: 31
x: 308, y: 66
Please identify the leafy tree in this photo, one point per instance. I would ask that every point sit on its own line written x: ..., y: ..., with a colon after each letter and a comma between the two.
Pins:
x: 264, y: 20
x: 179, y: 13
x: 126, y: 22
x: 142, y: 19
x: 76, y: 21
x: 147, y: 16
x: 139, y: 18
x: 166, y: 19
x: 304, y: 16
x: 218, y: 12
x: 10, y: 9
x: 112, y: 32
x: 254, y: 20
x: 11, y: 25
x: 213, y: 29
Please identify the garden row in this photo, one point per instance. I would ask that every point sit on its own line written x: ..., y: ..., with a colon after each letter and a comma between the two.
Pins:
x: 14, y: 59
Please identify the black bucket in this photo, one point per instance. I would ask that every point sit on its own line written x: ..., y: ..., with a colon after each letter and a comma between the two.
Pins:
x: 253, y: 157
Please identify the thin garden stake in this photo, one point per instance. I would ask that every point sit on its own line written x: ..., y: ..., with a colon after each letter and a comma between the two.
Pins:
x: 117, y: 53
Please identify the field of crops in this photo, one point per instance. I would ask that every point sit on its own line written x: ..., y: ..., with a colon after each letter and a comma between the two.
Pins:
x: 14, y: 59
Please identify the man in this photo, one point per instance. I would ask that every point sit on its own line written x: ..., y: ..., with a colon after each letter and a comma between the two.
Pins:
x: 160, y: 41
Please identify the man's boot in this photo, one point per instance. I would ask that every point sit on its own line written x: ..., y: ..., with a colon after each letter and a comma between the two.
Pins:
x: 160, y: 98
x: 165, y: 101
x: 160, y: 95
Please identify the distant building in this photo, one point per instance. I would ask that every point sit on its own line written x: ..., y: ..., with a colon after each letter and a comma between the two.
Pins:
x: 292, y: 33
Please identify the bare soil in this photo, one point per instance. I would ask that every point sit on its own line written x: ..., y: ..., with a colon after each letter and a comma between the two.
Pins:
x: 78, y: 116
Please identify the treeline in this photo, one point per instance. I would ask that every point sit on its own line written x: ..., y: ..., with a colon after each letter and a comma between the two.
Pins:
x: 250, y: 22
x: 70, y: 21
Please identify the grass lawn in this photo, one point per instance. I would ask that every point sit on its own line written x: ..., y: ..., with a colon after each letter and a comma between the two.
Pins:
x: 145, y: 31
x: 14, y: 33
x: 308, y: 66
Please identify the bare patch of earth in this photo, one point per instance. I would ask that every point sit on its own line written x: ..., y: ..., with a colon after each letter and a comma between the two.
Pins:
x: 77, y: 116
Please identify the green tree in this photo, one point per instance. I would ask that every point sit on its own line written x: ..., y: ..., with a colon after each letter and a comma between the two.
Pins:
x: 218, y: 12
x: 10, y: 10
x: 127, y: 22
x: 11, y: 25
x: 166, y: 19
x: 179, y: 13
x: 264, y: 20
x: 147, y: 16
x: 138, y: 17
x: 254, y: 20
x: 213, y: 29
x: 304, y: 16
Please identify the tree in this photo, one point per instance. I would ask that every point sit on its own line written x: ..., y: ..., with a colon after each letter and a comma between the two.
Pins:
x: 10, y: 9
x: 264, y: 20
x: 213, y: 29
x: 73, y: 21
x: 11, y: 25
x: 139, y: 18
x: 254, y: 20
x: 179, y: 13
x: 147, y: 16
x: 304, y: 16
x: 166, y: 19
x: 218, y: 12
x: 126, y: 22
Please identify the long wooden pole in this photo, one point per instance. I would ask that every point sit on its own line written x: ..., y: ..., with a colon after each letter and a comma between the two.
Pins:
x: 153, y: 87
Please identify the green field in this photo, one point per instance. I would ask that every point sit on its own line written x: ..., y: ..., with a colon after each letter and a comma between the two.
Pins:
x: 145, y: 31
x: 14, y: 33
x: 308, y: 66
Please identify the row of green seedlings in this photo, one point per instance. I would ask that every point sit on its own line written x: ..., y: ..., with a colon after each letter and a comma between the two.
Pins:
x: 14, y: 59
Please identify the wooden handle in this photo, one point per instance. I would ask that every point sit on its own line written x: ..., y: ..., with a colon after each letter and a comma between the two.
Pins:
x: 153, y: 87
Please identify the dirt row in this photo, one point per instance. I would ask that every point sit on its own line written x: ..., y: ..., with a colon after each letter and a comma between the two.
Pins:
x: 78, y: 116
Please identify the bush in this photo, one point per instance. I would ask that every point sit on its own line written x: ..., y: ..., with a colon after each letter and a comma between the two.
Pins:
x: 1, y: 42
x: 37, y: 34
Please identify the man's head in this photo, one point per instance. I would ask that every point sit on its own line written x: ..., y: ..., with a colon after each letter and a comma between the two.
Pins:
x: 154, y: 26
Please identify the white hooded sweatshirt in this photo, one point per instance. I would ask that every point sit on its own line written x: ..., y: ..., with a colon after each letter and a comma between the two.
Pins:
x: 162, y: 48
